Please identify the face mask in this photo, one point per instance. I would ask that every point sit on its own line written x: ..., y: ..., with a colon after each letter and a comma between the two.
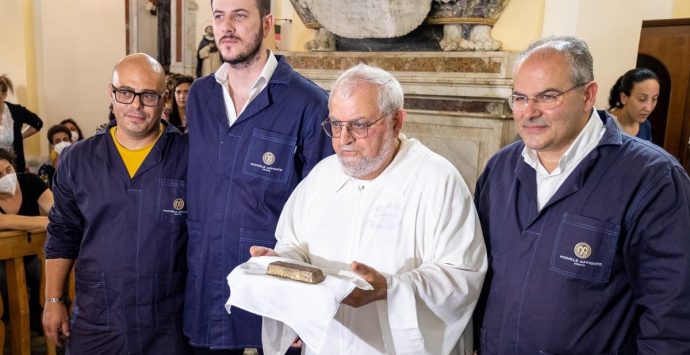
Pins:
x: 75, y: 136
x: 8, y: 184
x: 60, y: 146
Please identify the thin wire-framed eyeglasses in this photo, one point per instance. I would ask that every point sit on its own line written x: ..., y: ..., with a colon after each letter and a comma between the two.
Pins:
x: 547, y: 100
x: 357, y: 129
x: 127, y: 96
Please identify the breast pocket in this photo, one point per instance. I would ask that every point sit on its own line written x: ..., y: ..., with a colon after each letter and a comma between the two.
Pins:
x: 270, y: 156
x: 585, y: 247
x: 171, y: 203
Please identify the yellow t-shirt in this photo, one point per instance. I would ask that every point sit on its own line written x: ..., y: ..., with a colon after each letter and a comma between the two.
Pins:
x: 133, y: 158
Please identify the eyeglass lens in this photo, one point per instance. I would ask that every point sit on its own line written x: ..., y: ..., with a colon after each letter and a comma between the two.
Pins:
x: 128, y: 96
x: 335, y: 128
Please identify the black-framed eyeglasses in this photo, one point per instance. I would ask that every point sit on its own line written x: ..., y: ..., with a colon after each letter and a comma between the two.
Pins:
x: 357, y: 129
x: 548, y: 100
x: 127, y: 96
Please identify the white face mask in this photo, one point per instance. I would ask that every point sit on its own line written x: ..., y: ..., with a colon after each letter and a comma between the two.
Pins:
x: 75, y: 136
x: 8, y: 184
x: 60, y: 146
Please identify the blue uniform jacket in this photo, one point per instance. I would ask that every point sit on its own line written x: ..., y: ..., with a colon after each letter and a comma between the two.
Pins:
x: 129, y: 238
x: 239, y: 179
x: 603, y: 268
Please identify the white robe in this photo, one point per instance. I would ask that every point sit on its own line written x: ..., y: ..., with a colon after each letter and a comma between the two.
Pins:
x: 417, y: 225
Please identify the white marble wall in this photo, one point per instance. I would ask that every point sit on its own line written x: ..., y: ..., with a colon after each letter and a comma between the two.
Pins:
x: 467, y: 142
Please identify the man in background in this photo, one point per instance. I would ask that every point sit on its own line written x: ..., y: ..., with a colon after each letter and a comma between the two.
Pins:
x: 59, y: 138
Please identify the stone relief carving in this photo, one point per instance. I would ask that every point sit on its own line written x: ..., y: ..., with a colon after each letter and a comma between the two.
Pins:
x: 369, y: 19
x: 323, y: 41
x: 466, y: 23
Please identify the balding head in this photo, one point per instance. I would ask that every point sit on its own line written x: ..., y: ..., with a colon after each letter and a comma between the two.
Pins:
x: 574, y: 50
x: 138, y: 95
x: 142, y: 63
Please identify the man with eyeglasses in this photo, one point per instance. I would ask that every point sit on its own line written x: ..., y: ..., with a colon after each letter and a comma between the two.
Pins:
x: 587, y: 228
x: 120, y: 218
x: 397, y: 214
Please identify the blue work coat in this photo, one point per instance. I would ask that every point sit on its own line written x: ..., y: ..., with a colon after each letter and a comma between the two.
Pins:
x: 129, y: 239
x: 603, y: 268
x: 239, y: 178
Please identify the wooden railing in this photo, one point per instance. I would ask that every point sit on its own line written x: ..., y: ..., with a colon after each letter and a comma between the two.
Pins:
x: 14, y: 245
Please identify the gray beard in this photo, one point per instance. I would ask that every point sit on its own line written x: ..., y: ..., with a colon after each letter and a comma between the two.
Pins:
x: 359, y: 167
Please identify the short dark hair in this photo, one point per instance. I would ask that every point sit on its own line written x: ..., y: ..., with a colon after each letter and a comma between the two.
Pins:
x: 8, y: 155
x: 626, y: 82
x: 57, y: 129
x: 74, y: 123
x: 180, y: 79
x: 263, y: 5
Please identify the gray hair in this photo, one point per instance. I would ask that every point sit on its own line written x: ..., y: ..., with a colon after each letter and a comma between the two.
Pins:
x: 391, y: 96
x: 573, y: 49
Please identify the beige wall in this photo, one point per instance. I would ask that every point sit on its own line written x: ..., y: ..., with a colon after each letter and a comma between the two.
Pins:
x: 75, y: 60
x: 681, y: 9
x: 520, y: 23
x: 70, y: 60
x: 611, y: 28
x: 203, y: 18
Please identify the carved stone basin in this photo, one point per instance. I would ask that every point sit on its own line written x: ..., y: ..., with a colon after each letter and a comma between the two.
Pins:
x: 467, y: 23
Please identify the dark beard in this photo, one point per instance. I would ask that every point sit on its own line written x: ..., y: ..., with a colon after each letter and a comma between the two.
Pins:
x: 244, y: 60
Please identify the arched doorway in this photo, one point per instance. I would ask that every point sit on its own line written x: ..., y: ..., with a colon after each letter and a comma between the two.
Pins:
x: 668, y: 41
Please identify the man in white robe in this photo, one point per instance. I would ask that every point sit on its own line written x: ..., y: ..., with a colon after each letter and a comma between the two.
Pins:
x: 399, y: 215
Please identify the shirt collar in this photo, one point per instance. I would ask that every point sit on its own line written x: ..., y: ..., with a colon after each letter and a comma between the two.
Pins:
x: 261, y: 82
x: 585, y: 141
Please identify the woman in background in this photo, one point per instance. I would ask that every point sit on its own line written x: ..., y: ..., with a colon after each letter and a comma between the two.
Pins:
x: 76, y: 134
x: 24, y: 204
x: 12, y: 118
x: 178, y: 116
x: 633, y: 98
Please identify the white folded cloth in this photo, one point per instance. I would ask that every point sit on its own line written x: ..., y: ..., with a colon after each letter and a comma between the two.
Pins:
x: 306, y: 309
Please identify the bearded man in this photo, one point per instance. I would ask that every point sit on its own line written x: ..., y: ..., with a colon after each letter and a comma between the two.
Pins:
x: 395, y: 213
x: 254, y: 134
